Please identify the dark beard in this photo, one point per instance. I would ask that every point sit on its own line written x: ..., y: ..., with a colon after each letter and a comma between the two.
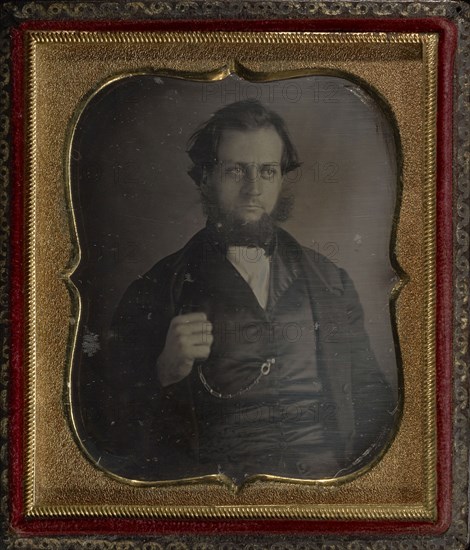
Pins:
x: 234, y: 232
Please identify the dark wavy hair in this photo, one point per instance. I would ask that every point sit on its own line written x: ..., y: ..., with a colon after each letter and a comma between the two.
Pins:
x: 244, y: 115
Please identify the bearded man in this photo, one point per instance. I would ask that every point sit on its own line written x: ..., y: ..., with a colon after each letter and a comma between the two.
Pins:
x: 244, y: 352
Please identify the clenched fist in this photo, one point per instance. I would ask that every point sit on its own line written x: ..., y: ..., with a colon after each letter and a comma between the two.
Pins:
x: 189, y: 337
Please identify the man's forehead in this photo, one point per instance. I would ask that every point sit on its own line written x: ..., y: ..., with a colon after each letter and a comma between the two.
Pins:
x: 247, y: 144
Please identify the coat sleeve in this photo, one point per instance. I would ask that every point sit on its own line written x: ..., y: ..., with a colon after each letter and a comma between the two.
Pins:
x: 375, y: 404
x: 367, y: 410
x: 140, y: 429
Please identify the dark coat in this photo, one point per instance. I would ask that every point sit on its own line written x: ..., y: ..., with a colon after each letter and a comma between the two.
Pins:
x: 144, y: 431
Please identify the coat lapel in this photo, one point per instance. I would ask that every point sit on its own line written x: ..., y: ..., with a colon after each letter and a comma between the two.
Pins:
x: 332, y: 328
x: 215, y: 276
x: 283, y: 274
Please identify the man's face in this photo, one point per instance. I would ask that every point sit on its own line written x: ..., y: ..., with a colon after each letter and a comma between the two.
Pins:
x: 247, y: 179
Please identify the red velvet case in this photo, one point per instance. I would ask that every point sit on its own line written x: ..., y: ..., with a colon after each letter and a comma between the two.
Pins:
x: 447, y: 44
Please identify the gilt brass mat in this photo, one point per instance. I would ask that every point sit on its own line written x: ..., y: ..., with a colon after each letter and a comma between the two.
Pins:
x: 63, y: 70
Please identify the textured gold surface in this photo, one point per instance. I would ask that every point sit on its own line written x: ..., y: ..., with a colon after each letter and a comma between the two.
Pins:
x: 63, y: 69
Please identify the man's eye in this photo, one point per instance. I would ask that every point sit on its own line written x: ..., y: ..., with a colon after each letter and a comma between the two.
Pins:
x: 236, y: 171
x: 268, y: 172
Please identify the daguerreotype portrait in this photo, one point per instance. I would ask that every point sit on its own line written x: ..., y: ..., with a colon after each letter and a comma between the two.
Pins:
x: 232, y: 279
x: 236, y: 280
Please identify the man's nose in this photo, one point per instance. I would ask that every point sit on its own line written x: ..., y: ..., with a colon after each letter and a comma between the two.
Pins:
x: 252, y: 180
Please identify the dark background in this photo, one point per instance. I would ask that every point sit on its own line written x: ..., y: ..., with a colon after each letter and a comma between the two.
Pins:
x: 134, y: 202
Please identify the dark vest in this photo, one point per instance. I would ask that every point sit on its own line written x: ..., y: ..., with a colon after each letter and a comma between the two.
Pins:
x: 259, y: 400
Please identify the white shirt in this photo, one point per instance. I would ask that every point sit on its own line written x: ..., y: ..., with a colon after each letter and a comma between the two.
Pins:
x: 254, y: 266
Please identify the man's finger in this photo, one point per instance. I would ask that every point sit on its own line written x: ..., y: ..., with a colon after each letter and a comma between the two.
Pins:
x: 196, y: 327
x: 201, y: 352
x: 198, y: 339
x: 206, y: 339
x: 189, y: 318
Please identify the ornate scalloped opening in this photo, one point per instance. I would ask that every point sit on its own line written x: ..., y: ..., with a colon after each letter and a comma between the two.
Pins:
x: 135, y: 206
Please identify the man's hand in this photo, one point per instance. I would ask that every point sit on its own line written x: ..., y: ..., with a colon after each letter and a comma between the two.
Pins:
x: 189, y: 337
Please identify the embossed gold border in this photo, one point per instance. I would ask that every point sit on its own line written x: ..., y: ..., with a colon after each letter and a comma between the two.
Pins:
x: 422, y: 510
